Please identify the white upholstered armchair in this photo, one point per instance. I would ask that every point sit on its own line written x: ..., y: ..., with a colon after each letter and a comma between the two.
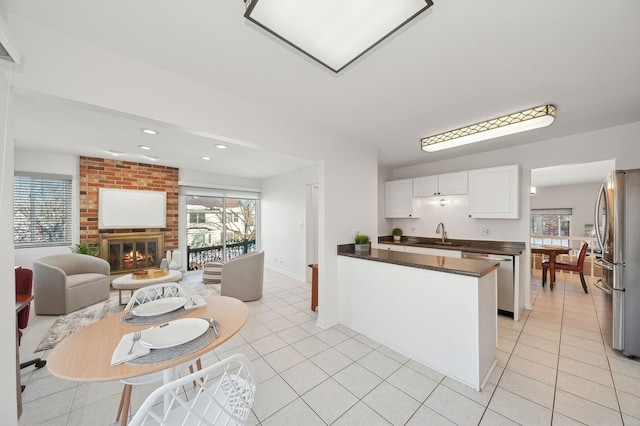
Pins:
x: 241, y: 277
x: 64, y: 283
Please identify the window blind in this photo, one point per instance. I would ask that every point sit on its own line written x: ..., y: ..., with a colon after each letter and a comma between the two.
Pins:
x: 41, y: 210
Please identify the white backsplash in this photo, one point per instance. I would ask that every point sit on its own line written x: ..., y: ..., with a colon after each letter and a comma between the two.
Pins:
x: 455, y: 216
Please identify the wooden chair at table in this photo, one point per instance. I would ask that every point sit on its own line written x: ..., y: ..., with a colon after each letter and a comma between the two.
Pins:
x: 571, y: 267
x: 223, y: 394
x: 141, y: 296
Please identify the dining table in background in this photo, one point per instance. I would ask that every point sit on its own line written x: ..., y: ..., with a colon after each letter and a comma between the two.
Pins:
x: 85, y: 356
x: 552, y: 251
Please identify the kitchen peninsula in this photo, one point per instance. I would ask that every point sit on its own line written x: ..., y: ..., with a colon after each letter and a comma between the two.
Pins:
x: 439, y: 311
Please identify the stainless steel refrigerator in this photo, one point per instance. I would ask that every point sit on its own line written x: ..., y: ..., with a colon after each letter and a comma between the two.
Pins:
x: 617, y: 218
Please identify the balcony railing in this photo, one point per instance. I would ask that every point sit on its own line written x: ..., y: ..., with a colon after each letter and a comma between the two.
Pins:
x: 198, y: 257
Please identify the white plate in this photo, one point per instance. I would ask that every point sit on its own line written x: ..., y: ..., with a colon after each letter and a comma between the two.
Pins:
x: 160, y: 306
x: 173, y: 333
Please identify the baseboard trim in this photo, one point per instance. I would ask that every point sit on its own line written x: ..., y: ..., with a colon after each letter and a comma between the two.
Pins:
x: 287, y: 273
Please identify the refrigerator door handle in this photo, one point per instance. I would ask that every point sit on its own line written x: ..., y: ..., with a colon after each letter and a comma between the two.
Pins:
x: 604, y: 264
x: 602, y: 286
x: 596, y: 219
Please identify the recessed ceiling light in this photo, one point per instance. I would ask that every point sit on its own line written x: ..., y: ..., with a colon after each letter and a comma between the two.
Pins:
x: 206, y: 158
x: 145, y: 147
x: 149, y: 131
x: 220, y: 146
x: 152, y: 158
x: 114, y: 152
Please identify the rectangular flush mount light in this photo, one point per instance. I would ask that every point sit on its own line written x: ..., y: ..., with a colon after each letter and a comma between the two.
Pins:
x: 530, y: 119
x: 333, y: 32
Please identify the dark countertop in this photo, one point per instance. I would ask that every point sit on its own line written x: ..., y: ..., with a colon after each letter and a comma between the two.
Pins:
x: 451, y: 265
x: 510, y: 248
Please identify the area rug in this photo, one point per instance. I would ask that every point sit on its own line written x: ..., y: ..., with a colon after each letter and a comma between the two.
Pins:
x: 66, y: 325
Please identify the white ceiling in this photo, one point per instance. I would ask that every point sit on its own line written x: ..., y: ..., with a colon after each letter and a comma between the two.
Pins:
x: 572, y: 174
x: 461, y: 62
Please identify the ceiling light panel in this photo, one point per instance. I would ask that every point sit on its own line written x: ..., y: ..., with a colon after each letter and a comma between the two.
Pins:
x: 333, y: 32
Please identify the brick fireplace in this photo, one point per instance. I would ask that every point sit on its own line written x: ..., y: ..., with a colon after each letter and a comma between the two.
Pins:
x: 129, y: 252
x: 147, y: 244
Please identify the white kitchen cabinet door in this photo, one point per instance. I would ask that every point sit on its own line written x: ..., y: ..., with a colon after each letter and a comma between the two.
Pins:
x: 494, y: 193
x: 425, y: 186
x: 453, y: 183
x: 446, y: 184
x: 434, y: 251
x: 398, y: 200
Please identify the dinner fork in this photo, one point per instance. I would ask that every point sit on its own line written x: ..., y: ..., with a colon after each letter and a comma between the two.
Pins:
x: 136, y: 336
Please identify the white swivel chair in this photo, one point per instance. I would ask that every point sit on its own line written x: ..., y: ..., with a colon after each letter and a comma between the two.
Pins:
x: 220, y: 394
x: 141, y: 296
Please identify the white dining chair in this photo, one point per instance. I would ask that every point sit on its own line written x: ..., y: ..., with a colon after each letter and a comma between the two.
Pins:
x: 153, y: 292
x: 223, y: 394
x: 141, y: 296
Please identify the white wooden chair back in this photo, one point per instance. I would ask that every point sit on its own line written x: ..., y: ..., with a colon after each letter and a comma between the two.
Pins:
x: 223, y: 395
x: 153, y: 292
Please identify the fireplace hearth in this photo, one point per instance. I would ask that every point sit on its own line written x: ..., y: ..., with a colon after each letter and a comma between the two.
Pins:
x: 130, y: 252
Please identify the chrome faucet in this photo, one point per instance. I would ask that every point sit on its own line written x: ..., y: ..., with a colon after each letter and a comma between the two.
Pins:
x: 444, y: 233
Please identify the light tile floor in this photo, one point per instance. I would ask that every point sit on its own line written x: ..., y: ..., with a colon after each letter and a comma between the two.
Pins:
x: 554, y: 368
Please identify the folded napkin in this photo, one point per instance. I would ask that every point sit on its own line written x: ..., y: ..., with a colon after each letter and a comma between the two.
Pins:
x: 194, y: 302
x: 121, y: 354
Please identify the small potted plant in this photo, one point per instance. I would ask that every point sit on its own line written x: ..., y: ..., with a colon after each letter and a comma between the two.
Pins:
x: 91, y: 249
x: 363, y: 243
x: 397, y: 234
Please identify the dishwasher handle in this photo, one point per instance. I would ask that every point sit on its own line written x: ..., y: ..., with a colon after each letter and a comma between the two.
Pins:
x: 487, y: 256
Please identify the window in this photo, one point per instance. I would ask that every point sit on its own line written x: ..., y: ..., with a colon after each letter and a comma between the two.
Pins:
x: 229, y: 228
x: 551, y: 222
x: 41, y: 210
x: 196, y: 217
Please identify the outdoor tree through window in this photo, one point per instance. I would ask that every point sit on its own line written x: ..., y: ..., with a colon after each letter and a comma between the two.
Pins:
x: 220, y: 228
x: 41, y: 210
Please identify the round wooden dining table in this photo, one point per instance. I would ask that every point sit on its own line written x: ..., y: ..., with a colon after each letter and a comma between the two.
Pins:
x: 552, y: 251
x: 85, y: 356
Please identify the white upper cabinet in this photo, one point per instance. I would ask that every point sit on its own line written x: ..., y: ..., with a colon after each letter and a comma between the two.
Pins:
x: 398, y: 199
x: 445, y: 184
x: 494, y: 193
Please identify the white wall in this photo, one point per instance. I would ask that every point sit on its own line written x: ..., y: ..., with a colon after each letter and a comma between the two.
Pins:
x: 348, y: 202
x: 7, y: 277
x: 60, y: 164
x: 283, y: 220
x: 384, y: 225
x: 455, y: 217
x: 579, y: 198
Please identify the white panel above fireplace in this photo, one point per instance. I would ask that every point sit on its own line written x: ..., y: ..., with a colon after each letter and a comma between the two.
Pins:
x: 126, y: 208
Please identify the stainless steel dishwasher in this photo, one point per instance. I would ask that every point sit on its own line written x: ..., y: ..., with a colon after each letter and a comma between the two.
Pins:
x: 505, y: 279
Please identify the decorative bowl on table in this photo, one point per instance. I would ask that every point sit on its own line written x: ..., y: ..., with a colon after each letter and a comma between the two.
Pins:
x: 145, y: 274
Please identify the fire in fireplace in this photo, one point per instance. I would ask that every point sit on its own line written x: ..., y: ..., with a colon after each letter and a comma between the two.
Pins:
x: 130, y: 252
